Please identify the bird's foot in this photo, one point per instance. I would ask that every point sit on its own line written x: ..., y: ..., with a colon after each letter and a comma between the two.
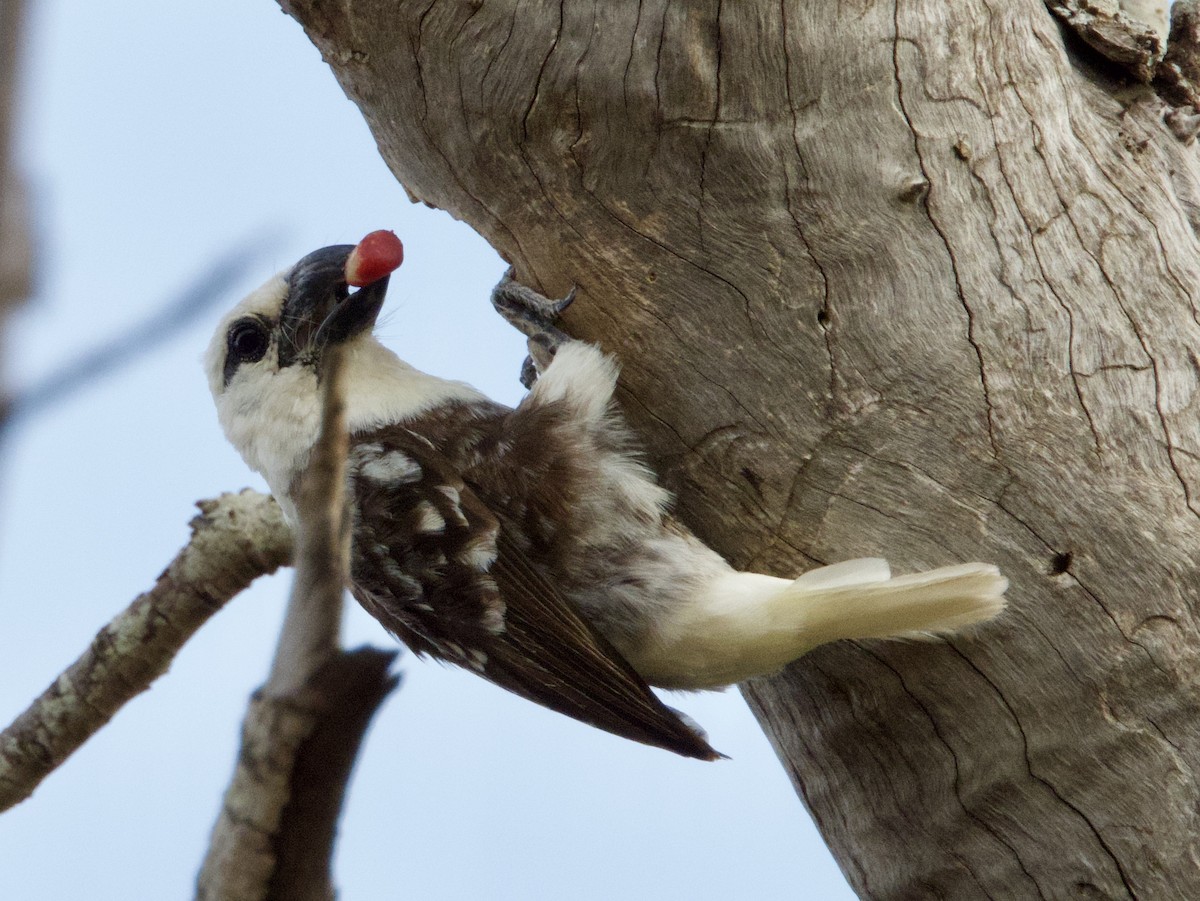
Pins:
x: 533, y: 316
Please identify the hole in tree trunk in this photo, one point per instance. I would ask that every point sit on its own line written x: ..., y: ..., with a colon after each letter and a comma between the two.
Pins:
x: 1060, y: 564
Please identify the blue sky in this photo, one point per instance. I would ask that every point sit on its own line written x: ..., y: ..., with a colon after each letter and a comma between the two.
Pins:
x: 157, y: 137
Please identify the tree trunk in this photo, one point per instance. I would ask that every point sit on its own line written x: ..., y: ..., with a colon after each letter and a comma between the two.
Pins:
x: 913, y: 280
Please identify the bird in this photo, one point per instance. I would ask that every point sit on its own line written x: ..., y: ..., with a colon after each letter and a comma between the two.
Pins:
x: 532, y: 545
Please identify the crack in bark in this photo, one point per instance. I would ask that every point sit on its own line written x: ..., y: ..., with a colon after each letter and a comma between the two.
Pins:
x: 1162, y: 418
x: 1116, y: 295
x: 615, y: 216
x: 1033, y: 233
x: 711, y: 126
x: 1059, y: 654
x: 629, y: 397
x: 704, y: 150
x: 1046, y: 279
x: 537, y: 87
x: 774, y: 536
x: 933, y: 725
x: 764, y: 428
x: 1146, y: 219
x: 1115, y: 367
x: 1171, y: 448
x: 633, y: 33
x: 1103, y: 843
x: 432, y: 142
x: 1066, y: 212
x: 945, y: 239
x: 529, y: 107
x: 1050, y: 550
x: 826, y: 327
x: 884, y: 765
x: 579, y: 116
x: 1072, y: 369
x: 1154, y: 663
x: 421, y: 91
x: 852, y: 500
x: 492, y: 58
x: 458, y: 36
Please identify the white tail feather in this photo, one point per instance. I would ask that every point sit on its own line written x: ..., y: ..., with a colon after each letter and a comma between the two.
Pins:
x: 746, y: 624
x: 940, y: 600
x: 850, y: 572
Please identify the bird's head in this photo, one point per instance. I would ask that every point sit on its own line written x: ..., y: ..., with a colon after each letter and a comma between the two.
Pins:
x: 290, y: 322
x: 264, y: 361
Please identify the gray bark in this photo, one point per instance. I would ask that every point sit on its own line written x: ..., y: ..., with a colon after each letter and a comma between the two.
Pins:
x: 901, y: 279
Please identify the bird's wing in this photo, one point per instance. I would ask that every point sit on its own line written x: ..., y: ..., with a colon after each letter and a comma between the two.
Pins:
x: 448, y: 575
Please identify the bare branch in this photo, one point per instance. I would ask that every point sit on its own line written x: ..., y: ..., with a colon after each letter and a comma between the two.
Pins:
x: 310, y: 629
x: 353, y: 685
x: 274, y: 836
x: 235, y: 539
x: 273, y: 839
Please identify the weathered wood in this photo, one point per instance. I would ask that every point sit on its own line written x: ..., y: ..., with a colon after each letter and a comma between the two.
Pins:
x: 1130, y: 33
x: 1178, y: 77
x: 898, y: 279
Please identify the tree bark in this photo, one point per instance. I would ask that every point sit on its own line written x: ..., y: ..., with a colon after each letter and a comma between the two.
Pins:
x: 910, y: 279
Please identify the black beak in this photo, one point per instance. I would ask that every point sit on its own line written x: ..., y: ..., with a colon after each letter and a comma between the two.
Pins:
x: 320, y: 310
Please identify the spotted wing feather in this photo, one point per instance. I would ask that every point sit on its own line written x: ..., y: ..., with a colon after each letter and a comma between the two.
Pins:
x: 447, y: 573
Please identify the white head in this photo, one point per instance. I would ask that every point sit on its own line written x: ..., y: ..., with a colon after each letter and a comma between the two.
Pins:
x: 264, y: 366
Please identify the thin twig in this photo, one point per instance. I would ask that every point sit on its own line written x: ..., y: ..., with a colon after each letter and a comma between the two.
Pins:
x: 273, y: 840
x: 313, y: 620
x: 235, y: 539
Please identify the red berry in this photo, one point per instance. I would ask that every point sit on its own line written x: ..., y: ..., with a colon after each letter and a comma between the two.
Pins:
x: 378, y: 254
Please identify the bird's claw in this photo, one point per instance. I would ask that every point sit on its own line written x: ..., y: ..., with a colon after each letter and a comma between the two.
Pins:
x: 533, y: 316
x: 529, y: 373
x: 525, y: 309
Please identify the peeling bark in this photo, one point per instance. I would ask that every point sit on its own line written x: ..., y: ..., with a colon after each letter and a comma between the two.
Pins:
x: 1130, y: 33
x: 906, y: 280
x: 1178, y: 77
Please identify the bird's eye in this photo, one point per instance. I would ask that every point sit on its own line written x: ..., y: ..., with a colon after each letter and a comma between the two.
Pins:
x: 248, y: 341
